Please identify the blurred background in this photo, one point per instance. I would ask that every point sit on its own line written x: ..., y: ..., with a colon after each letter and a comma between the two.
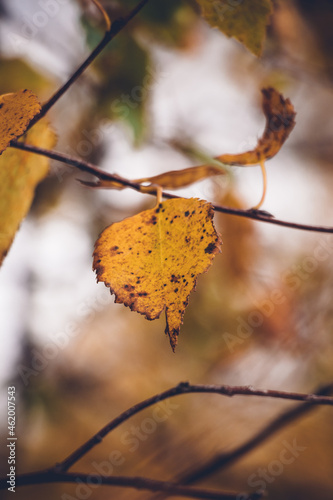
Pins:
x: 168, y: 90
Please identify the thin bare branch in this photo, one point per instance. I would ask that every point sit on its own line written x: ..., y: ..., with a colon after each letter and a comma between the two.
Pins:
x: 110, y: 34
x: 100, y: 174
x: 184, y: 388
x: 223, y: 460
x: 59, y: 472
x: 139, y: 483
x: 82, y: 165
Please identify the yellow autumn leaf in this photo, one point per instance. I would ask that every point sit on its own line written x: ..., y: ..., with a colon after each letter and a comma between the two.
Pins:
x: 20, y: 172
x: 151, y: 261
x: 16, y: 112
x: 280, y: 120
x: 245, y: 20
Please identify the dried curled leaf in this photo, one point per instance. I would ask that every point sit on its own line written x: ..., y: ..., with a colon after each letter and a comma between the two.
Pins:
x: 244, y: 20
x: 16, y: 112
x: 151, y: 261
x: 174, y: 179
x: 104, y: 183
x: 20, y: 172
x: 280, y: 120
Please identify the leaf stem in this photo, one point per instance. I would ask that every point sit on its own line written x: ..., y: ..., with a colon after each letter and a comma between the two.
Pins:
x: 159, y: 195
x: 104, y: 14
x: 264, y: 190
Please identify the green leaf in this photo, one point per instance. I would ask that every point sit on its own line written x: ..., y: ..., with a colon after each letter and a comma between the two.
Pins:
x: 245, y: 20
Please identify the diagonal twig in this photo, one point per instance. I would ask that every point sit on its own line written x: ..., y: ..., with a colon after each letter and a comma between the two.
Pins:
x: 101, y: 174
x: 110, y: 34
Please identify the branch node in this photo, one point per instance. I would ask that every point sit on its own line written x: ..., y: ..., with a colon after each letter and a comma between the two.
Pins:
x: 183, y: 386
x: 116, y: 26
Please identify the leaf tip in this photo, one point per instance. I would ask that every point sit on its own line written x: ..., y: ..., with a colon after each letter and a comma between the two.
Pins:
x: 173, y: 335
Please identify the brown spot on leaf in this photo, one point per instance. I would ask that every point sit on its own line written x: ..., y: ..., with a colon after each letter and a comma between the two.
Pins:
x: 210, y: 248
x: 129, y: 287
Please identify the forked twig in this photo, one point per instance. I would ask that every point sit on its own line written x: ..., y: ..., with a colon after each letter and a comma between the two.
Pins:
x: 59, y: 473
x: 186, y: 388
x: 223, y: 460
